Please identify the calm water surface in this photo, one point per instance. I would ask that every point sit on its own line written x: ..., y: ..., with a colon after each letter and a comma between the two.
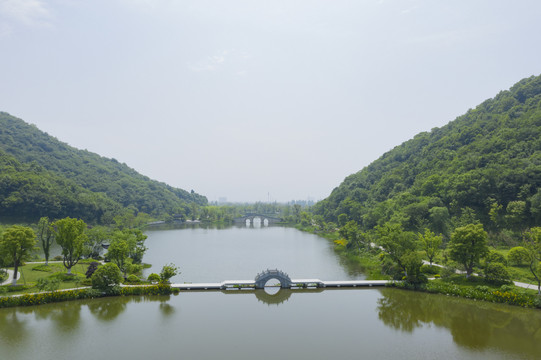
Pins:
x: 330, y: 324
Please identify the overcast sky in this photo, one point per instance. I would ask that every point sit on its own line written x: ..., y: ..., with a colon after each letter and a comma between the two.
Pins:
x: 252, y: 100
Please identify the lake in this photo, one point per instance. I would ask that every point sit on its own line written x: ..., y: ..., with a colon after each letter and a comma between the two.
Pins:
x: 312, y: 324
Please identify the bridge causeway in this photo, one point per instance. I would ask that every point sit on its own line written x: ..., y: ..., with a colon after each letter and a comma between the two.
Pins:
x: 295, y: 284
x: 252, y: 216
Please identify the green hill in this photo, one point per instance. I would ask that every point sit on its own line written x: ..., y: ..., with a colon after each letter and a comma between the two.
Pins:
x: 41, y: 176
x: 485, y: 165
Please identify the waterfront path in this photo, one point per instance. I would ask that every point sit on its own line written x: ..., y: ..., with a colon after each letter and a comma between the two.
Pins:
x: 10, y: 277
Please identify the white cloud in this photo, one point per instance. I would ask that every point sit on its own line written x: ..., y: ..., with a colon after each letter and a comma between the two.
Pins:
x: 27, y: 12
x: 211, y: 63
x: 5, y: 30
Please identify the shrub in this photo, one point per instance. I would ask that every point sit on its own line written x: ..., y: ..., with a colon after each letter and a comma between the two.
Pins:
x: 497, y: 273
x: 430, y: 270
x: 58, y: 258
x: 134, y: 268
x: 132, y: 279
x: 495, y: 257
x: 64, y: 277
x: 44, y: 268
x: 106, y: 278
x: 518, y: 255
x: 480, y: 292
x: 91, y: 269
x: 483, y: 288
x: 154, y: 278
x: 47, y: 297
x: 160, y: 289
x: 448, y: 271
x: 50, y: 284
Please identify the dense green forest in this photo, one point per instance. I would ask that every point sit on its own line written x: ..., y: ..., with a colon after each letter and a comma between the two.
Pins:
x: 42, y: 176
x: 485, y: 166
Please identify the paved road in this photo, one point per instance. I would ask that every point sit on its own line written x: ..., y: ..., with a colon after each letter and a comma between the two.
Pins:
x: 10, y: 277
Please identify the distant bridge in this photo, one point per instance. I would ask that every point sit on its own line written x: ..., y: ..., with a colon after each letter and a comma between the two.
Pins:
x: 252, y: 216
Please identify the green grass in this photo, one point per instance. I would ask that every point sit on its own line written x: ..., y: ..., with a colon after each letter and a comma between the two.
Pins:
x: 518, y: 272
x: 30, y: 274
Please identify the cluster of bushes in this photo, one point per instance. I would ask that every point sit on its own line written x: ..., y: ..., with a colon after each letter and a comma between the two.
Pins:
x: 160, y: 289
x: 10, y: 288
x: 47, y: 297
x: 505, y: 294
x: 430, y: 269
x: 59, y: 296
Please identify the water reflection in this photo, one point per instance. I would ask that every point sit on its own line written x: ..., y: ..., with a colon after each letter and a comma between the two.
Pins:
x: 108, y: 309
x: 14, y: 326
x: 65, y: 316
x: 166, y: 308
x: 272, y: 298
x: 474, y: 325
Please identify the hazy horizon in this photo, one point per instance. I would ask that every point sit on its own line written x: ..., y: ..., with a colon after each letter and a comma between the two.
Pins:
x: 256, y: 101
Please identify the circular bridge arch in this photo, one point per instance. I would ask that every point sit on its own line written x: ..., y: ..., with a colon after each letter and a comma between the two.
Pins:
x: 266, y: 275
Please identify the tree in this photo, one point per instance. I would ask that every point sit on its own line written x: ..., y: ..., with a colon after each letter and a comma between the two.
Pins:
x: 350, y: 232
x: 430, y: 243
x: 95, y: 238
x: 118, y: 253
x: 397, y: 244
x: 70, y: 235
x: 532, y: 239
x: 468, y: 244
x: 106, y: 278
x: 439, y: 220
x: 412, y: 268
x: 518, y: 255
x: 342, y: 219
x: 516, y: 214
x: 45, y: 236
x: 168, y: 271
x: 16, y: 244
x: 136, y: 243
x: 297, y: 213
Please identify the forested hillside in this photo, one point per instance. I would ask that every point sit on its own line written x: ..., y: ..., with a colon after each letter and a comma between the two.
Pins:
x: 41, y: 176
x: 484, y: 166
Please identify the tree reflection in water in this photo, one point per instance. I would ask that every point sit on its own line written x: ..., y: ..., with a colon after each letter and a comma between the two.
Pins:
x: 14, y: 325
x: 108, y: 309
x: 474, y: 325
x: 65, y: 315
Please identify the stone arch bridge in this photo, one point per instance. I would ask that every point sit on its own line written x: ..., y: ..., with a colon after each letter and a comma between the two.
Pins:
x: 252, y: 216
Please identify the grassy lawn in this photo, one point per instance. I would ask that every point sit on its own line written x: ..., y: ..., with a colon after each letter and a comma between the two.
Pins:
x: 518, y: 272
x: 30, y: 274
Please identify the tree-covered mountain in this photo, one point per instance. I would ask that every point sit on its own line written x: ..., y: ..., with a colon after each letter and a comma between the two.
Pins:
x: 42, y: 176
x: 485, y: 166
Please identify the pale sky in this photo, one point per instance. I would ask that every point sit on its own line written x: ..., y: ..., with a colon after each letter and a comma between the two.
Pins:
x: 252, y: 100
